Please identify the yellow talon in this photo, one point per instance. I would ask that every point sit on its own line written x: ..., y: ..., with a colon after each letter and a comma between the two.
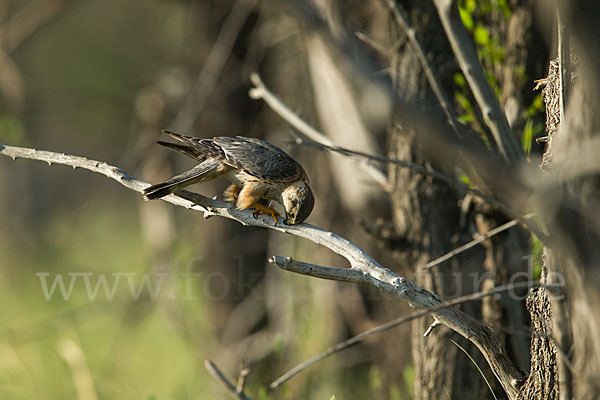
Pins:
x: 259, y: 209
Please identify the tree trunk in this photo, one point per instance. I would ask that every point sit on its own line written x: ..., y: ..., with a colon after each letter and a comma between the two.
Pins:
x: 427, y: 232
x: 441, y: 369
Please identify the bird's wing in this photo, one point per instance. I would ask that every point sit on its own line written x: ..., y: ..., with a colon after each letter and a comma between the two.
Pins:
x: 194, y: 147
x: 254, y: 156
x: 185, y: 149
x: 259, y: 158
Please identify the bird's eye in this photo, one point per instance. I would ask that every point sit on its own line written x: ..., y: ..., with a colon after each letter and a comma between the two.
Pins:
x: 292, y: 214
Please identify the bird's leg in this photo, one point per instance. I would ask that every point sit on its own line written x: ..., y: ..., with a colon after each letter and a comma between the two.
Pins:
x: 230, y: 195
x: 250, y: 196
x: 260, y: 209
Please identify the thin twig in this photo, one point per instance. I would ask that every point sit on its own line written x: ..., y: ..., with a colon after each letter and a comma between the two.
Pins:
x: 465, y: 52
x: 477, y: 366
x: 473, y: 243
x: 434, y: 82
x: 397, y: 322
x: 241, y: 382
x: 213, y: 66
x: 421, y: 169
x: 260, y: 91
x: 378, y: 47
x: 363, y: 267
x: 216, y: 372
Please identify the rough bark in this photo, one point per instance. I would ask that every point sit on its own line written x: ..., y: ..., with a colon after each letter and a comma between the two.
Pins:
x: 542, y: 382
x: 430, y: 231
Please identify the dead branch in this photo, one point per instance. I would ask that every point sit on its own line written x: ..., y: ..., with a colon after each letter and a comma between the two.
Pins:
x: 237, y: 391
x: 466, y: 55
x: 432, y: 77
x: 472, y: 243
x: 363, y: 268
x: 395, y: 323
x: 425, y: 170
x: 260, y: 91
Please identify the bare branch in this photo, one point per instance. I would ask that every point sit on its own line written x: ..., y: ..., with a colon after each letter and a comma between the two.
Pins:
x: 429, y: 171
x: 473, y: 243
x: 421, y: 169
x: 363, y: 267
x: 397, y: 322
x: 477, y: 366
x: 241, y: 382
x: 466, y: 55
x: 434, y: 82
x: 213, y: 66
x: 216, y: 372
x: 260, y: 91
x: 378, y: 47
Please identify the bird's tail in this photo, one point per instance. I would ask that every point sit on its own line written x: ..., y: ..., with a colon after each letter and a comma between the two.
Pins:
x: 205, y: 171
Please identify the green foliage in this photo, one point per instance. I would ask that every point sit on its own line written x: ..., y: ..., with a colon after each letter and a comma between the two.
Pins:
x: 467, y: 113
x: 531, y: 128
x: 465, y: 179
x: 467, y: 17
x: 536, y: 107
x: 409, y: 375
x: 130, y: 350
x: 529, y: 131
x: 474, y: 13
x: 262, y: 394
x: 536, y: 253
x: 374, y: 379
x: 395, y: 393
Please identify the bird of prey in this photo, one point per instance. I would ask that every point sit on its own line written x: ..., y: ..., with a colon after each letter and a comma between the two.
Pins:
x: 256, y: 169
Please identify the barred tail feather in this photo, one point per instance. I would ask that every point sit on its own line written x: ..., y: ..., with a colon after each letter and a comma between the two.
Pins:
x: 202, y: 172
x: 160, y: 190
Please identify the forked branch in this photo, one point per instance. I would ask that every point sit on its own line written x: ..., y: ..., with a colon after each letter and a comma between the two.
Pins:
x: 363, y: 268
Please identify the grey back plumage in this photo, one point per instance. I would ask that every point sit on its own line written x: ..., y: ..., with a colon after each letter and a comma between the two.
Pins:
x: 259, y: 158
x: 253, y: 156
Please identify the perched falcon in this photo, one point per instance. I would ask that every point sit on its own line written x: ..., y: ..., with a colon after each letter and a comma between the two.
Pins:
x: 257, y: 169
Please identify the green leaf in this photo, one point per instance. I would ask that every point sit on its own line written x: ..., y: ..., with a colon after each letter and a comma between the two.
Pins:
x: 464, y: 179
x: 459, y: 80
x: 466, y: 118
x: 527, y: 136
x: 466, y: 18
x: 537, y: 106
x: 481, y: 35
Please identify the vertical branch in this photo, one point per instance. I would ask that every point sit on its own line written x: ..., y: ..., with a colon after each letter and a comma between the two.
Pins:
x: 561, y: 326
x: 564, y: 64
x: 402, y: 20
x: 471, y: 67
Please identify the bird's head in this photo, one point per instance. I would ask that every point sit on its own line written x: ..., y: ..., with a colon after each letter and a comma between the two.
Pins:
x: 298, y: 201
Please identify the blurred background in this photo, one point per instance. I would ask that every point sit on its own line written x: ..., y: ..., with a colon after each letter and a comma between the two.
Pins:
x: 100, y: 79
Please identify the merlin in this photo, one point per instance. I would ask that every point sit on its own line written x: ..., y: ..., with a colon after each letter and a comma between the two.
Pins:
x: 257, y: 171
